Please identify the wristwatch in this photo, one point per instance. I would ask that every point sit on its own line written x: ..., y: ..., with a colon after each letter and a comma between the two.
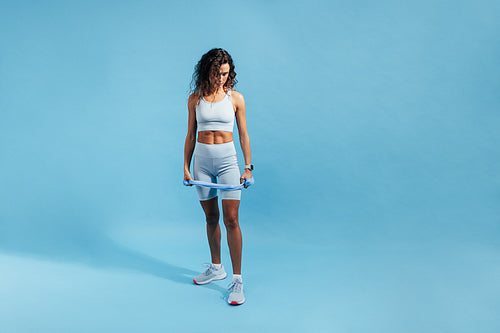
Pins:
x: 249, y: 167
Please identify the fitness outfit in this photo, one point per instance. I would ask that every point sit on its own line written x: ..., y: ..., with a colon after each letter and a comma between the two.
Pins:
x: 216, y: 162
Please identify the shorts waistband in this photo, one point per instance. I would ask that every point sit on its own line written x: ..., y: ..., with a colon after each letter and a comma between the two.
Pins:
x: 215, y: 150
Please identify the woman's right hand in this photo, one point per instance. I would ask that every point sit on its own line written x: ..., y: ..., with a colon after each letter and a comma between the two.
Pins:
x: 187, y: 176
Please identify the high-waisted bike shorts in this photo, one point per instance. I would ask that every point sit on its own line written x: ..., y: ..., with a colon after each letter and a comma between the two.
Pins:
x: 216, y: 163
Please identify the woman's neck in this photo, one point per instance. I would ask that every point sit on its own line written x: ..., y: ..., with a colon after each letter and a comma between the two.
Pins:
x: 217, y: 91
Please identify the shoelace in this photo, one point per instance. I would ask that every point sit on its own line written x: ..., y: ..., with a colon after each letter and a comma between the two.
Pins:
x: 235, y: 286
x: 210, y: 269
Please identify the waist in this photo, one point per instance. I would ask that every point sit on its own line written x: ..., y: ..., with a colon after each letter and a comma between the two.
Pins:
x: 215, y: 137
x: 214, y: 150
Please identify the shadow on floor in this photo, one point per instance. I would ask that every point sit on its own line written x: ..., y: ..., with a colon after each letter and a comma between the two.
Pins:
x: 70, y: 229
x: 78, y: 243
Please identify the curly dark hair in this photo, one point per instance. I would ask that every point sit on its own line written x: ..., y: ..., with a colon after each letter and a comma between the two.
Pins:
x: 208, y: 67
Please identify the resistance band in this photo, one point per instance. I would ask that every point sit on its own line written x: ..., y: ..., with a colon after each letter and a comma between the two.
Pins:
x: 227, y: 187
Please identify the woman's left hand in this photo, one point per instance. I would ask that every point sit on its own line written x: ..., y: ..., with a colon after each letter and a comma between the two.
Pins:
x: 246, y: 175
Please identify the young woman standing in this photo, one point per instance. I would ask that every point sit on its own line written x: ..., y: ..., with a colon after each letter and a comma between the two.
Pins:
x: 213, y: 106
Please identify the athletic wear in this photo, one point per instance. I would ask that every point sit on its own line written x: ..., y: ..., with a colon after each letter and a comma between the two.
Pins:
x: 218, y: 116
x: 211, y: 274
x: 236, y: 296
x: 216, y: 163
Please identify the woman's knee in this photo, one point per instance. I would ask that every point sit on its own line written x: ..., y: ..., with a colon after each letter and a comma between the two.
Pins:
x: 231, y: 221
x: 212, y: 218
x: 230, y: 210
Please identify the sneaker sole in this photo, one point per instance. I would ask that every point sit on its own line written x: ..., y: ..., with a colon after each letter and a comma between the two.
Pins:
x: 236, y: 303
x: 208, y: 281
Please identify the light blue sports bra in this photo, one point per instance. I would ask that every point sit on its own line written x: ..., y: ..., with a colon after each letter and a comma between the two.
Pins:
x: 218, y: 116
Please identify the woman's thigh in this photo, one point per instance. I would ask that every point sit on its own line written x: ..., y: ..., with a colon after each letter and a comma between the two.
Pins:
x: 202, y: 170
x: 228, y: 172
x: 211, y: 209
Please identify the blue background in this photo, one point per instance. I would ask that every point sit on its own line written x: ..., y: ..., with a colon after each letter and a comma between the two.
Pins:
x: 375, y: 132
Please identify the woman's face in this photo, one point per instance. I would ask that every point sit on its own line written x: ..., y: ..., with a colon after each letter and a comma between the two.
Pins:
x: 221, y: 79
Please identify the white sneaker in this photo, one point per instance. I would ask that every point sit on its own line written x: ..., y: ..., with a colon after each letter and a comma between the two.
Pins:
x: 236, y: 296
x: 211, y: 274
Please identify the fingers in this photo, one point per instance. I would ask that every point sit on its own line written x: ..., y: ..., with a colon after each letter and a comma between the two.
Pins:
x: 242, y: 180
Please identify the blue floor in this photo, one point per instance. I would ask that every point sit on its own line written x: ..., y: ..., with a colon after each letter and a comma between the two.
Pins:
x: 375, y: 134
x: 140, y: 279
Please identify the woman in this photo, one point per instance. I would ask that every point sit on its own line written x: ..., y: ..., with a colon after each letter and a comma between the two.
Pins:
x: 213, y: 106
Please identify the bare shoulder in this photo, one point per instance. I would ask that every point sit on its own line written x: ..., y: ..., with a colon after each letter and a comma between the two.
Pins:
x: 193, y: 100
x: 238, y: 99
x: 236, y: 95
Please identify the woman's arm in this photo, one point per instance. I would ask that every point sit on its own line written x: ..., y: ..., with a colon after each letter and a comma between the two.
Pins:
x: 190, y: 137
x: 241, y: 121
